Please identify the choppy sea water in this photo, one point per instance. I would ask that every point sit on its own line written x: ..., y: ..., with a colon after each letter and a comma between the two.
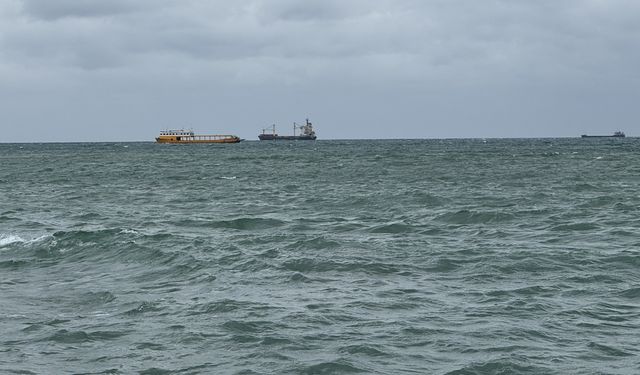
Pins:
x: 327, y: 257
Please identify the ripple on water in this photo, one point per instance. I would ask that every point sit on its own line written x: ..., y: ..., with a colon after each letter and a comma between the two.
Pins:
x: 500, y: 367
x: 228, y: 306
x: 363, y: 349
x: 146, y: 307
x: 76, y: 337
x: 244, y: 223
x: 310, y: 265
x: 465, y: 217
x: 338, y: 366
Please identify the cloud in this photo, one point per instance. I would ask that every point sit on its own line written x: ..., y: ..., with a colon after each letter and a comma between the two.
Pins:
x: 53, y: 10
x: 515, y: 36
x: 517, y: 51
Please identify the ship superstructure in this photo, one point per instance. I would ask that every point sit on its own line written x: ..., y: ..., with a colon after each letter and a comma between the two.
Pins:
x: 306, y: 133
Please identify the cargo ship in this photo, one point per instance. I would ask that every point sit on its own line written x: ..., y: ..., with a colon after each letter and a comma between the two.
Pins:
x: 306, y: 133
x: 617, y: 134
x: 188, y: 136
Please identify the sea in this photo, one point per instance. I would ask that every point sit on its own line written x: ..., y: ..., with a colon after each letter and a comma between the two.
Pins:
x: 454, y: 256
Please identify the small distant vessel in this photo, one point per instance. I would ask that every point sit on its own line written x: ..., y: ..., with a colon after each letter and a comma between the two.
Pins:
x: 188, y: 136
x: 617, y: 134
x: 306, y: 133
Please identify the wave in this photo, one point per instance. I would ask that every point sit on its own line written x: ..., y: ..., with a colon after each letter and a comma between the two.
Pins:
x: 12, y: 239
x: 101, y: 244
x: 317, y: 243
x: 75, y: 337
x: 7, y: 239
x: 303, y: 265
x: 609, y: 351
x: 297, y: 277
x: 144, y: 308
x: 207, y: 368
x: 573, y: 227
x: 340, y: 366
x: 6, y: 219
x: 474, y: 217
x: 631, y: 293
x: 500, y: 367
x: 244, y: 223
x: 226, y: 306
x: 97, y: 298
x: 393, y: 228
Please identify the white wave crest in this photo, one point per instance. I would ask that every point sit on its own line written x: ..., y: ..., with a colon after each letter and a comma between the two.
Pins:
x: 7, y: 239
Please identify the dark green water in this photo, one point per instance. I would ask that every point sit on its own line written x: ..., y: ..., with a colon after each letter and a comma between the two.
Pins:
x: 327, y: 257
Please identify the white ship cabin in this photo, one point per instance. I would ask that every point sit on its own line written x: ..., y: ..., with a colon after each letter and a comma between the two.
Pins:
x: 307, y: 129
x: 180, y: 132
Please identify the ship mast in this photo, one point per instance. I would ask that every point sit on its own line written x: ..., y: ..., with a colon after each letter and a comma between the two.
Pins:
x: 273, y: 129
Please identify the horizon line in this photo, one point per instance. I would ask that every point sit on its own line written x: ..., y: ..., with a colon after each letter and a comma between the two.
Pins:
x: 326, y: 139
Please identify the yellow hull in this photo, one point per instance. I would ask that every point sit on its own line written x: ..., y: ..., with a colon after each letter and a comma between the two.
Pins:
x: 198, y: 139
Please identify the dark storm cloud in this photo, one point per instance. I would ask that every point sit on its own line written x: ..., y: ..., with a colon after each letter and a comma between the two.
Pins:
x: 460, y: 59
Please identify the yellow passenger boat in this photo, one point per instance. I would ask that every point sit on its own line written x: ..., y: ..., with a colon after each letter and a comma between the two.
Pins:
x: 188, y: 136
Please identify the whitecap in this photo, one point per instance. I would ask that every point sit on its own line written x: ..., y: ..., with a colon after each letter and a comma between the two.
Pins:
x: 7, y: 239
x: 38, y: 239
x: 228, y: 178
x: 100, y: 314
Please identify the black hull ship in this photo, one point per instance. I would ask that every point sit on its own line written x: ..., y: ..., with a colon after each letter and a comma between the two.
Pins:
x: 615, y: 135
x: 306, y: 133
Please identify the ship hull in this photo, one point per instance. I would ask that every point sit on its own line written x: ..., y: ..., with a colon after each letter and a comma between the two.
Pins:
x: 173, y: 141
x: 602, y: 136
x: 271, y: 137
x: 198, y: 139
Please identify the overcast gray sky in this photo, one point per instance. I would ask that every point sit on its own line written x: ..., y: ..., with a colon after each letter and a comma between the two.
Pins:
x: 117, y: 70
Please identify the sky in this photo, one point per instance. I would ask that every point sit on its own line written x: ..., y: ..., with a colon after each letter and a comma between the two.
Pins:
x: 122, y: 70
